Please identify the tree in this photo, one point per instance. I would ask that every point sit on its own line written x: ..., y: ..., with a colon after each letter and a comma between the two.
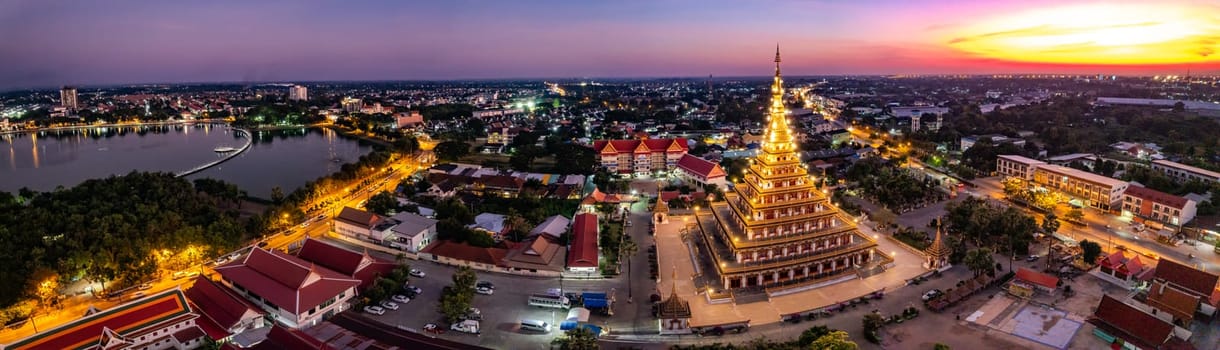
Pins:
x: 579, y: 338
x: 1050, y: 223
x: 277, y: 194
x: 939, y: 346
x: 382, y: 203
x: 455, y: 300
x: 1074, y: 215
x: 1091, y: 250
x: 872, y: 323
x: 813, y: 334
x: 451, y: 150
x: 837, y: 340
x: 979, y: 261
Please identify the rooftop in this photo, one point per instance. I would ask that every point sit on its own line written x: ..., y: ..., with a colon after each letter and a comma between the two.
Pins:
x: 1188, y: 168
x: 291, y: 283
x: 1155, y: 196
x: 1083, y: 175
x: 583, y: 252
x: 146, y: 313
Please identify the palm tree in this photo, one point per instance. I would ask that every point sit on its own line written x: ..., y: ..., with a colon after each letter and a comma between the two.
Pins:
x: 627, y: 249
x: 979, y: 261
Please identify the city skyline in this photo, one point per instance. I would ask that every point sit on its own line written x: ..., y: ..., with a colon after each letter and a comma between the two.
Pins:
x: 150, y: 42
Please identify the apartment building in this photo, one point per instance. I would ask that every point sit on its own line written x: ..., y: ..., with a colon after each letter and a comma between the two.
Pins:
x: 1159, y: 206
x: 1097, y: 191
x: 1017, y: 166
x: 1184, y: 173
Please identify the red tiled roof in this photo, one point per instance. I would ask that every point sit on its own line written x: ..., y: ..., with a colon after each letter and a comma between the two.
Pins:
x: 1199, y: 282
x: 219, y: 304
x: 284, y: 338
x: 357, y: 217
x: 136, y: 316
x: 1170, y: 299
x: 212, y: 329
x: 1037, y: 278
x: 670, y: 195
x: 1155, y: 196
x: 1138, y: 324
x: 188, y: 334
x: 461, y: 251
x: 333, y: 257
x: 583, y: 252
x: 630, y: 146
x: 700, y: 166
x: 289, y: 282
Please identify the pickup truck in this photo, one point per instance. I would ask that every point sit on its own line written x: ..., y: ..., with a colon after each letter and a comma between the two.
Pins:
x: 467, y: 326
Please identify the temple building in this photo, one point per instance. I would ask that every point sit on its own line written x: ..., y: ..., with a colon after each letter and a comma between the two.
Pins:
x: 938, y: 253
x: 776, y: 230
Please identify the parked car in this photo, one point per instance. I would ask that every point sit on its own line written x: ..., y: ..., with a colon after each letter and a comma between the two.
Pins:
x: 467, y: 326
x: 262, y: 244
x: 473, y: 314
x: 389, y: 305
x: 399, y: 298
x: 932, y: 294
x: 185, y: 274
x: 1032, y: 258
x: 418, y: 273
x: 485, y: 284
x: 415, y: 290
x: 145, y: 286
x: 484, y: 291
x: 433, y: 328
x: 373, y: 309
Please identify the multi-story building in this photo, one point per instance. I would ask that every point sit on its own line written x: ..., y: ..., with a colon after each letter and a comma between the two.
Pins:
x: 67, y: 97
x: 298, y: 93
x: 776, y: 230
x: 641, y: 157
x: 1155, y: 205
x: 156, y: 322
x: 1096, y: 190
x: 352, y: 105
x: 996, y: 139
x: 295, y: 293
x: 1185, y: 173
x: 1017, y: 166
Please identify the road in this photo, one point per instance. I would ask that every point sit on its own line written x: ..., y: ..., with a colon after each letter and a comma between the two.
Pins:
x: 1111, y: 231
x: 74, y: 305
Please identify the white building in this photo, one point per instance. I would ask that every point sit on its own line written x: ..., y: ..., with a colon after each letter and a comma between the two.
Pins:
x: 700, y: 172
x: 412, y: 232
x: 1185, y: 173
x: 1158, y: 206
x: 298, y: 93
x: 352, y: 105
x: 1017, y: 166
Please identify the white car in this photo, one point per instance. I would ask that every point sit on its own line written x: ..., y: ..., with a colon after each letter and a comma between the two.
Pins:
x: 416, y: 290
x: 389, y: 305
x: 399, y: 298
x: 484, y: 290
x: 932, y: 294
x: 373, y: 309
x: 418, y: 273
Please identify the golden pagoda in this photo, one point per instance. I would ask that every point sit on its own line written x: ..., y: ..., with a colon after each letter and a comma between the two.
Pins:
x: 776, y: 230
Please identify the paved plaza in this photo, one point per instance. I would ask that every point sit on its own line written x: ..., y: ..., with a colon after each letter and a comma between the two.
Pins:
x: 673, y: 253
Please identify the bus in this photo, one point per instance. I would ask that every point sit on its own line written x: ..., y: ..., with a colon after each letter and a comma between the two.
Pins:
x: 551, y: 301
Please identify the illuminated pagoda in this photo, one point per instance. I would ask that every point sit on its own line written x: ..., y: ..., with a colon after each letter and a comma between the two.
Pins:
x: 776, y: 230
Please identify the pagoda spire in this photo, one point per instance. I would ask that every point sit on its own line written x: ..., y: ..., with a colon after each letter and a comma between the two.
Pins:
x: 778, y: 135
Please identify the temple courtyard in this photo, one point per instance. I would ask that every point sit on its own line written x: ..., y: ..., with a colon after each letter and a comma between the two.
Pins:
x: 676, y: 254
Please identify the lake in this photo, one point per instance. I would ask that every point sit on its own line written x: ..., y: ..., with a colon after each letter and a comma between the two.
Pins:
x: 284, y: 158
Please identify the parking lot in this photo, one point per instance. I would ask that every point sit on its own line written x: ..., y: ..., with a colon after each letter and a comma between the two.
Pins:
x: 502, y: 311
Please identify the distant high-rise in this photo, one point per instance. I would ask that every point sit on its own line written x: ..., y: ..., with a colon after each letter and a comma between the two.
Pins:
x: 67, y: 97
x: 298, y: 93
x: 352, y: 105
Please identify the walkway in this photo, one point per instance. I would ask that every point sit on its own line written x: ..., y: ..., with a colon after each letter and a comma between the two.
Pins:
x: 249, y: 141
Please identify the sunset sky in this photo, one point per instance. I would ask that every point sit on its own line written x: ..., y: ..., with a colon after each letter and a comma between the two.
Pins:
x: 50, y: 43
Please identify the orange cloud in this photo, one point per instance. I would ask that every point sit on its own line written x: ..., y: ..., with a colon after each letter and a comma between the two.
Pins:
x: 1133, y: 34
